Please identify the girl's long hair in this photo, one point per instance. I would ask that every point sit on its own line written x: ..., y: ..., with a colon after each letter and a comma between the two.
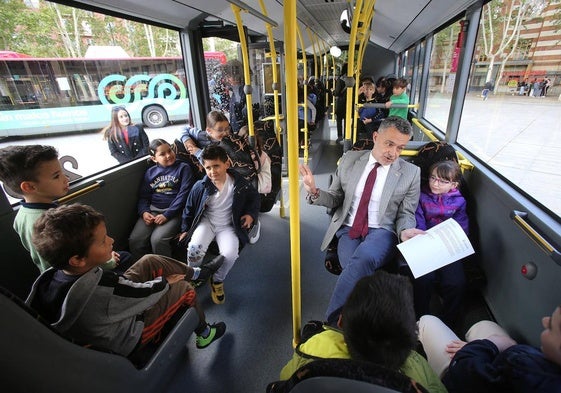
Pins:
x: 114, y: 128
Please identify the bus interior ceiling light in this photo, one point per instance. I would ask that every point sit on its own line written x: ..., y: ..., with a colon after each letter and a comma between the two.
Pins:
x: 335, y: 51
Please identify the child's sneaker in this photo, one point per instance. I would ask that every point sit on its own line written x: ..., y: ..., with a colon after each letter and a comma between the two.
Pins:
x: 217, y: 292
x: 216, y: 331
x: 254, y: 232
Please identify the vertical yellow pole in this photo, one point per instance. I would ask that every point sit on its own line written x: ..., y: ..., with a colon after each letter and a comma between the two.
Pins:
x: 275, y: 92
x: 311, y: 36
x: 247, y: 77
x: 351, y: 72
x: 304, y: 103
x: 290, y: 26
x: 333, y: 89
x: 365, y: 17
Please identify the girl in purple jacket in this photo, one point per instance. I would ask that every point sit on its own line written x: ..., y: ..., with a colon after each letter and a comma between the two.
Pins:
x: 440, y: 201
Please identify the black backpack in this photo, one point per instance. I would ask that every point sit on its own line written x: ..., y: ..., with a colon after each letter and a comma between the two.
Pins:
x: 431, y: 153
x: 183, y: 155
x: 243, y: 157
x: 266, y: 131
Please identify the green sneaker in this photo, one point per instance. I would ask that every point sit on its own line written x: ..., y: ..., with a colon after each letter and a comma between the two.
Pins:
x: 216, y: 331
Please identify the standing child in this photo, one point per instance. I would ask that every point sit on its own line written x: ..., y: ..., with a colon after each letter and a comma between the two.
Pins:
x: 111, y: 311
x: 221, y: 206
x: 399, y: 97
x: 35, y: 172
x: 162, y: 196
x: 438, y: 202
x: 126, y: 141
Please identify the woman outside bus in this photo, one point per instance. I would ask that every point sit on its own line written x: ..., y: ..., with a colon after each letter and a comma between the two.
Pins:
x: 126, y: 141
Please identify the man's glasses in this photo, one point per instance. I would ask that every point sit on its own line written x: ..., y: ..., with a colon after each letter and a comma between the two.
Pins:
x: 435, y: 179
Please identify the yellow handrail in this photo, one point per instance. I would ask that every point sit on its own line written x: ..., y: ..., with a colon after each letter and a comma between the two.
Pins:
x: 305, y: 99
x: 291, y: 48
x: 275, y: 87
x: 85, y: 190
x: 247, y: 76
x: 464, y: 163
x: 351, y: 74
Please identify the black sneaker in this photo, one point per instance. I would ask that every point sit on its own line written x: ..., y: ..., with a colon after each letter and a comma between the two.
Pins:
x: 216, y: 331
x: 209, y: 268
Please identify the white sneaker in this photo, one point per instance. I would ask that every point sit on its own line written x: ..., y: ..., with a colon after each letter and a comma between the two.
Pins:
x: 254, y: 232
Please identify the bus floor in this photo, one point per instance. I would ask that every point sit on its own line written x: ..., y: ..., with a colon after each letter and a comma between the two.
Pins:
x: 258, y: 308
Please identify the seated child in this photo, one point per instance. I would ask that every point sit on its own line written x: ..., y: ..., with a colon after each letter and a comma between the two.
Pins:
x: 194, y: 139
x: 439, y: 201
x: 36, y: 173
x: 221, y: 206
x: 378, y: 325
x: 162, y: 196
x: 102, y: 308
x: 367, y: 115
x: 491, y: 361
x: 399, y: 97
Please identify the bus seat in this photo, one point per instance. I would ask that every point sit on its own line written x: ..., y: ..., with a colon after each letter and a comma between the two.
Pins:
x: 338, y: 385
x: 344, y: 375
x: 36, y: 358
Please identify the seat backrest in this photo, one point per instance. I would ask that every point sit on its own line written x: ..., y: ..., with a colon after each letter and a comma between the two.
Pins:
x: 351, y: 370
x: 36, y: 358
x: 338, y: 385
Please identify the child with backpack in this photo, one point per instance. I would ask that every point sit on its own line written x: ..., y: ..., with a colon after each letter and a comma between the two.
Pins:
x: 441, y: 200
x: 195, y: 139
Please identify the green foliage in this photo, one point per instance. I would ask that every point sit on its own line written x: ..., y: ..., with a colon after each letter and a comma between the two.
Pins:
x: 230, y: 48
x: 54, y: 30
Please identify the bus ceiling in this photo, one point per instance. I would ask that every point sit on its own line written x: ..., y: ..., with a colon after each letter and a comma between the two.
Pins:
x: 392, y: 30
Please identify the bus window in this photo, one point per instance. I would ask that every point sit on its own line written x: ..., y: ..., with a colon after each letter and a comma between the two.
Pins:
x: 62, y: 90
x: 442, y: 75
x: 515, y: 127
x: 215, y: 61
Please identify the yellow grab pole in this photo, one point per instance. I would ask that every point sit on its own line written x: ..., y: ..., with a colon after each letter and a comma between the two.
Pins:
x: 247, y: 76
x: 333, y: 89
x: 365, y: 17
x: 290, y: 26
x: 275, y: 86
x: 350, y: 73
x: 312, y: 40
x: 305, y: 87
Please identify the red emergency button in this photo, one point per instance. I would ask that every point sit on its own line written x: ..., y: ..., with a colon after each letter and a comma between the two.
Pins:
x: 529, y: 270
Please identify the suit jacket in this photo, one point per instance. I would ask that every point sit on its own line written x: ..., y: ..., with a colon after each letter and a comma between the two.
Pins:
x: 400, y: 195
x: 137, y: 147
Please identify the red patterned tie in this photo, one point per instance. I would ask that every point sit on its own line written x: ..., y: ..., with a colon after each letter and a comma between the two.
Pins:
x: 360, y: 224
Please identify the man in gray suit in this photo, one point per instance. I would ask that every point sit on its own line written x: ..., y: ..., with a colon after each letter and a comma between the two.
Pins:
x: 391, y: 206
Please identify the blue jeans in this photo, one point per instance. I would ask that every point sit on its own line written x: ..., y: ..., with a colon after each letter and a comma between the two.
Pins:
x: 358, y: 258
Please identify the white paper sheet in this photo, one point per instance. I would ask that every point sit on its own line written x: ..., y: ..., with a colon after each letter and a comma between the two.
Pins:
x: 441, y: 245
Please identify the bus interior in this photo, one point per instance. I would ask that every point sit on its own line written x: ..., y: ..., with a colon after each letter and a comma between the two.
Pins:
x: 515, y: 217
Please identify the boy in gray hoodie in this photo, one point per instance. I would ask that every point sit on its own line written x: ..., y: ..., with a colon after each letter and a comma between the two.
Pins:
x: 102, y: 308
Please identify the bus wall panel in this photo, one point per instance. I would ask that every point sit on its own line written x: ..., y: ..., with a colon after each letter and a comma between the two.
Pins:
x: 517, y: 303
x: 18, y: 271
x: 117, y: 200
